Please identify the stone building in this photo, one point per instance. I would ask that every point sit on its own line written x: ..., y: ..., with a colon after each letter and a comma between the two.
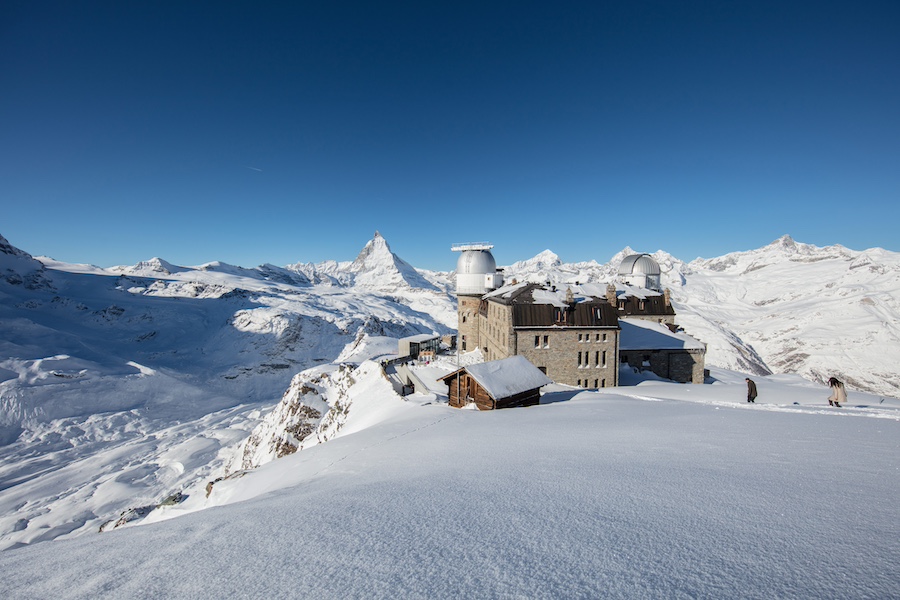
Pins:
x: 573, y: 340
x: 574, y: 336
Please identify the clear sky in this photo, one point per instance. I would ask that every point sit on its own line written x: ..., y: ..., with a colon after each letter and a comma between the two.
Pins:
x: 284, y: 132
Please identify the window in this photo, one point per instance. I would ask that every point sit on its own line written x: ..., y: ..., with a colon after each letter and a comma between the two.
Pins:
x: 595, y: 383
x: 537, y: 341
x: 604, y: 358
x: 546, y: 341
x: 602, y: 383
x: 463, y: 346
x: 597, y: 338
x: 579, y: 383
x: 596, y: 359
x: 579, y: 361
x: 604, y: 337
x: 579, y: 337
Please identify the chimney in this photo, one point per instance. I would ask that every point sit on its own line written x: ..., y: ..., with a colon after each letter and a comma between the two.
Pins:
x: 570, y: 297
x: 611, y: 294
x: 668, y: 297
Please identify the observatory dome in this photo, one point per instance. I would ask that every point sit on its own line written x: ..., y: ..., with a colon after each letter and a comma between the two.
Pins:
x: 475, y: 262
x: 639, y: 264
x: 640, y: 270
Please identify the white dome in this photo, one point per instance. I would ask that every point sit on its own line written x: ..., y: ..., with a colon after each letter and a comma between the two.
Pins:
x: 476, y: 262
x: 640, y: 270
x: 639, y: 264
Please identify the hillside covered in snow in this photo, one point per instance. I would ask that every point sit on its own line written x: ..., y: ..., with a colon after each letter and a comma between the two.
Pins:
x: 137, y: 393
x: 650, y: 490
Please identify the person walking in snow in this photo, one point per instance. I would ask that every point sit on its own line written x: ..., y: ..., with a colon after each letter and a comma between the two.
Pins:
x: 838, y: 393
x: 751, y: 390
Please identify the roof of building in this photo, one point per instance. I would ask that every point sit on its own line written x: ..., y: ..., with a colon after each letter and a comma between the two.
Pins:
x: 421, y: 337
x: 508, y: 293
x: 598, y: 290
x: 506, y: 377
x: 639, y: 334
x: 533, y: 305
x: 639, y: 264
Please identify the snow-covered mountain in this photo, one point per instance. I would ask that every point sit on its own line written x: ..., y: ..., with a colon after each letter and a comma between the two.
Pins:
x: 109, y: 366
x: 375, y: 267
x: 125, y: 388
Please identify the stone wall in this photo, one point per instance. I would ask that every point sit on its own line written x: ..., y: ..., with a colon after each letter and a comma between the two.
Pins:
x: 683, y: 366
x: 467, y: 312
x: 579, y: 357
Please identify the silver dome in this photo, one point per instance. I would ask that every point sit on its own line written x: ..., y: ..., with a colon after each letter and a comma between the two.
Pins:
x: 639, y: 264
x: 476, y: 262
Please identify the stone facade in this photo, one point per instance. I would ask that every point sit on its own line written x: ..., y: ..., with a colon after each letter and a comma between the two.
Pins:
x: 468, y: 330
x: 580, y: 356
x: 683, y: 366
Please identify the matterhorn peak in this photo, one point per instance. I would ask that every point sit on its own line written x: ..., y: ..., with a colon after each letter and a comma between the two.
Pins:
x: 376, y: 251
x: 378, y: 267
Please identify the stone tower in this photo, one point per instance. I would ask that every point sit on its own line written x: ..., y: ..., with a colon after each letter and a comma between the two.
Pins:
x: 476, y: 275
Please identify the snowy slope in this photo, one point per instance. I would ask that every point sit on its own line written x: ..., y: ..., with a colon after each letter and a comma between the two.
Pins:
x: 658, y: 490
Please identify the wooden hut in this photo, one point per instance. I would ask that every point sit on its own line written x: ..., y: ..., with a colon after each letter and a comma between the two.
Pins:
x: 505, y: 383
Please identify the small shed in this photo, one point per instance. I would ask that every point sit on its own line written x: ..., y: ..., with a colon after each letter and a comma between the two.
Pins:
x: 504, y: 383
x: 414, y: 345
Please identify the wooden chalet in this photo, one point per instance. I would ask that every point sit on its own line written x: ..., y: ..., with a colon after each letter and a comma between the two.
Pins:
x: 505, y: 383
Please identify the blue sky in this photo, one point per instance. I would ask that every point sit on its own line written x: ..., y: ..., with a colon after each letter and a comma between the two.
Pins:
x: 283, y: 132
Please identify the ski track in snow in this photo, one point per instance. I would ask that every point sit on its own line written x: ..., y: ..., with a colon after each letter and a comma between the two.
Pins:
x: 848, y: 410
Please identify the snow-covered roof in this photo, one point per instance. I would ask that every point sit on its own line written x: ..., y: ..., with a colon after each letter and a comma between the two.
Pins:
x: 542, y: 296
x: 590, y: 291
x: 421, y: 337
x: 508, y: 376
x: 634, y: 291
x: 507, y: 290
x: 640, y: 334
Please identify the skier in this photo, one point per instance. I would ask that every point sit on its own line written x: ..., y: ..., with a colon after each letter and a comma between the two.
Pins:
x: 751, y: 390
x: 838, y: 393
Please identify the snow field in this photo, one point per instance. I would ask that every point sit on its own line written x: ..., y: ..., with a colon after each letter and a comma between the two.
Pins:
x: 598, y: 496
